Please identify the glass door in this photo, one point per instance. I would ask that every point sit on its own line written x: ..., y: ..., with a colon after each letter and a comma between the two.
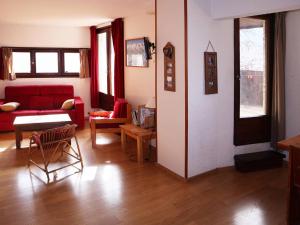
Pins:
x: 253, y: 73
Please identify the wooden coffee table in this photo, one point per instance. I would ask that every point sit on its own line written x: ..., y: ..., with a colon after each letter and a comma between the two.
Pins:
x: 37, y: 123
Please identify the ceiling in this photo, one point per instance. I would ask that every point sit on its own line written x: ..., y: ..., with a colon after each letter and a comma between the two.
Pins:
x: 70, y: 12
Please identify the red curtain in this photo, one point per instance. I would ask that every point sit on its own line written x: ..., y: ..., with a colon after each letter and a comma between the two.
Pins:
x: 117, y: 31
x: 1, y: 66
x: 94, y: 68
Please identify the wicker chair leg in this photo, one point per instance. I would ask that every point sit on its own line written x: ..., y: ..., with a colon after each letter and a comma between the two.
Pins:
x: 29, y: 152
x: 79, y: 152
x: 47, y: 174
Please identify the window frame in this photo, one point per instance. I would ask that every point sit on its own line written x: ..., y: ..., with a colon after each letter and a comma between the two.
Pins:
x: 61, y: 70
x: 252, y: 130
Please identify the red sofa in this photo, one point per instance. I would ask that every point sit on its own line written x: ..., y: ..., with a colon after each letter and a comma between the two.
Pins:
x: 40, y: 100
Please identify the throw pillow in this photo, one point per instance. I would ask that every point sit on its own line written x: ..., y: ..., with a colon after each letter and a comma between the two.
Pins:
x: 10, y: 106
x: 100, y: 113
x: 68, y: 104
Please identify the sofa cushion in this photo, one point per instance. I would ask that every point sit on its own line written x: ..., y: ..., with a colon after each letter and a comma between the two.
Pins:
x: 54, y: 90
x: 41, y: 102
x: 101, y: 114
x: 21, y: 94
x: 24, y: 113
x: 5, y: 116
x: 120, y: 109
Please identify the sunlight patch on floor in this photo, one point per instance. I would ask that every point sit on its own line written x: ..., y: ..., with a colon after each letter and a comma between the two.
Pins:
x: 2, y: 149
x: 89, y: 173
x: 104, y: 140
x: 111, y: 184
x: 251, y: 215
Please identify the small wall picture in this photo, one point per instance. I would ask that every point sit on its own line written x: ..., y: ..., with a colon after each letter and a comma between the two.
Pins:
x: 136, y: 53
x: 211, y: 73
x: 169, y: 67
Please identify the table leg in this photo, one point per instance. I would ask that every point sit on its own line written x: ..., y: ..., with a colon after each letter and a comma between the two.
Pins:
x: 123, y: 139
x: 18, y: 134
x: 140, y: 152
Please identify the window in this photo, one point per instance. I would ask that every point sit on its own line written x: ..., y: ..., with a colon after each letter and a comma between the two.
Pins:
x: 253, y: 86
x: 21, y: 62
x: 106, y: 60
x: 253, y: 74
x: 46, y: 62
x: 71, y: 62
x: 103, y: 62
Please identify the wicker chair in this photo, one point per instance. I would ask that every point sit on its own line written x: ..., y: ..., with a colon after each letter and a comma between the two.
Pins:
x: 52, y: 146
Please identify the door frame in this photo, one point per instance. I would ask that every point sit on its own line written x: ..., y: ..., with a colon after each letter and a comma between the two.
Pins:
x: 256, y: 129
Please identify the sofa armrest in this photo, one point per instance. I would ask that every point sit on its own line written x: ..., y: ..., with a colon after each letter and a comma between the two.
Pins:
x: 2, y: 101
x: 79, y: 108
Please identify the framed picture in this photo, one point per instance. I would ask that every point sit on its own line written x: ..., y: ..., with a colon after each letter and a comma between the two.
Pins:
x: 136, y: 55
x: 211, y: 73
x: 169, y: 67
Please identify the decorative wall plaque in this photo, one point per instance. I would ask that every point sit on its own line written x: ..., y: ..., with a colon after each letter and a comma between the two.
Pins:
x: 211, y: 73
x: 169, y: 67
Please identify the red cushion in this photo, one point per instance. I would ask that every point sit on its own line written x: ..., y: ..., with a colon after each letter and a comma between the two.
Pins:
x: 100, y: 113
x: 15, y: 91
x: 24, y: 112
x: 55, y: 90
x: 120, y: 109
x: 53, y: 111
x: 5, y: 116
x: 41, y: 102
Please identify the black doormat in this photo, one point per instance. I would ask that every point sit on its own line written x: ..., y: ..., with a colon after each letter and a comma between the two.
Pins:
x: 258, y: 161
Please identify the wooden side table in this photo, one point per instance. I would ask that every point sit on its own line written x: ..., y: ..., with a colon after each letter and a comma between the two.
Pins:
x: 137, y: 133
x: 291, y: 145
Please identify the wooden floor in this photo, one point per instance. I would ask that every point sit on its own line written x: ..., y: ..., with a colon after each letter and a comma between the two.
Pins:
x: 114, y: 189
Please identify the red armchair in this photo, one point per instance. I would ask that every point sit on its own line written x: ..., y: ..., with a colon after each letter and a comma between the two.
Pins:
x: 120, y: 115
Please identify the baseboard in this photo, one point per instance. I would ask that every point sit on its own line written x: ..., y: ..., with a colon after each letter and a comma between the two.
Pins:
x: 210, y: 172
x: 170, y: 172
x: 202, y: 175
x: 205, y: 174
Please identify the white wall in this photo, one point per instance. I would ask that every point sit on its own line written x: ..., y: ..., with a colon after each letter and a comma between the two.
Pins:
x: 140, y: 82
x: 43, y: 36
x: 292, y: 74
x: 171, y: 110
x: 238, y: 8
x: 211, y: 116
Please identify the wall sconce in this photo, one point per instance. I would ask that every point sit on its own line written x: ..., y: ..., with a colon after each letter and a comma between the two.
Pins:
x: 149, y: 48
